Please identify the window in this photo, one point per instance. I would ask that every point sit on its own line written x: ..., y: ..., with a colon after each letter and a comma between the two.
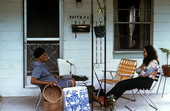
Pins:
x: 132, y: 24
x: 42, y: 18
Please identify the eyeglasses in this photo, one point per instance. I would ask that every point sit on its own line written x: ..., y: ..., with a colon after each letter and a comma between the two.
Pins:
x: 45, y: 54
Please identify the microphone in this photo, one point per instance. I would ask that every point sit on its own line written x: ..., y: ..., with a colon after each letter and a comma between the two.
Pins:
x: 69, y: 62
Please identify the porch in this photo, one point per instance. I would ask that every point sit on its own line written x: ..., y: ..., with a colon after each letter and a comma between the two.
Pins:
x: 26, y: 103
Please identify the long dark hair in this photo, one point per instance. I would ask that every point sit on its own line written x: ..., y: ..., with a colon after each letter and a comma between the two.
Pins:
x: 151, y: 54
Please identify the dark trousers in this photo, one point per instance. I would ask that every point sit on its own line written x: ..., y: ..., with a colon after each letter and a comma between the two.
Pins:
x: 129, y: 84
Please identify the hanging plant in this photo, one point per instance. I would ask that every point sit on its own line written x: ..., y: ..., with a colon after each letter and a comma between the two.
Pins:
x: 99, y: 31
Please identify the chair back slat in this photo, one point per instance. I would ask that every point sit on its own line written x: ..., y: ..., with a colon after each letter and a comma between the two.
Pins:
x: 126, y: 66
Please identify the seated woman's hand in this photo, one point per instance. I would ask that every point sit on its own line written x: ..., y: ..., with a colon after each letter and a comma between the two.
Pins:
x: 52, y: 83
x: 138, y: 70
x: 57, y: 77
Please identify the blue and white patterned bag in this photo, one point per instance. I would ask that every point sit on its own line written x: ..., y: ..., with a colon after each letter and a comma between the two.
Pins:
x: 76, y: 99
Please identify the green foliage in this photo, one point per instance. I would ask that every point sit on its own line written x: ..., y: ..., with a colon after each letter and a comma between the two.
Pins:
x: 111, y: 101
x: 167, y: 51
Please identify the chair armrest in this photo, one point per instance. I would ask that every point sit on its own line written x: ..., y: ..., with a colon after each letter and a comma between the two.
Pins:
x: 129, y: 76
x: 111, y: 71
x: 126, y: 75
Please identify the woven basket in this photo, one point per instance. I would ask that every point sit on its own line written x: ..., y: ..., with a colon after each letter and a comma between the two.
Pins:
x: 48, y: 106
x: 52, y: 94
x: 52, y: 98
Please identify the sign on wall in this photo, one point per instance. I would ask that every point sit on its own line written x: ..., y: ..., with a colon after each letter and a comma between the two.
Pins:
x: 80, y: 19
